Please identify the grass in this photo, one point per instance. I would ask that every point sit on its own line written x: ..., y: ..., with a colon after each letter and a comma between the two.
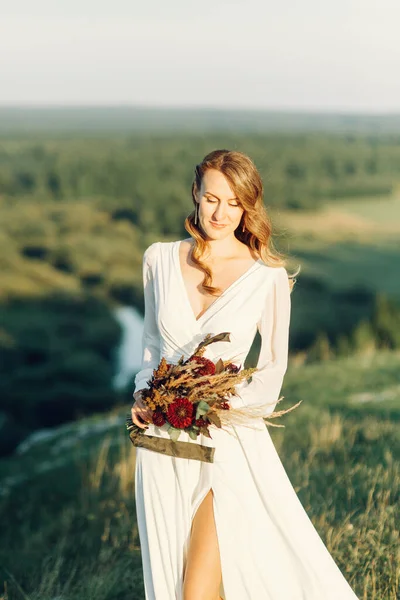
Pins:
x: 361, y: 220
x: 348, y: 242
x: 67, y: 507
x: 383, y: 212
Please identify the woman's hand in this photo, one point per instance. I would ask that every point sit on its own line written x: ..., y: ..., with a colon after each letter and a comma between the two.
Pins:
x: 140, y: 412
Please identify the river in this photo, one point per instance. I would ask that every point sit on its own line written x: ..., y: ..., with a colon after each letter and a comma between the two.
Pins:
x: 129, y: 353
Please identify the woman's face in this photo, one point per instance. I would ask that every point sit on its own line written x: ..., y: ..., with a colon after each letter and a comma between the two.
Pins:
x: 217, y: 205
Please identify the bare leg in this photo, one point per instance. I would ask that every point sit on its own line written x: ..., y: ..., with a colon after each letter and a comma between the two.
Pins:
x: 203, y: 566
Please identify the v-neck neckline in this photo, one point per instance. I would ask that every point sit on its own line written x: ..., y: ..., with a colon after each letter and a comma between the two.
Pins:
x: 176, y: 247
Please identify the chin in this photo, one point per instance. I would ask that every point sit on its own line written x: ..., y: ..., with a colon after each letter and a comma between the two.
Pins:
x: 217, y: 233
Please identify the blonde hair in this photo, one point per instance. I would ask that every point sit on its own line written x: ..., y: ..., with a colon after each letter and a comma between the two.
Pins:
x: 245, y: 181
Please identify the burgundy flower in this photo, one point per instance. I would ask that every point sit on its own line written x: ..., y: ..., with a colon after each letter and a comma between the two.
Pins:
x: 159, y: 417
x: 180, y: 413
x: 207, y: 366
x: 232, y: 367
x: 201, y: 422
x: 225, y: 405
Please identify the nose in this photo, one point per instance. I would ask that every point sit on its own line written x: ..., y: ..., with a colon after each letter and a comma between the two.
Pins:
x: 220, y: 211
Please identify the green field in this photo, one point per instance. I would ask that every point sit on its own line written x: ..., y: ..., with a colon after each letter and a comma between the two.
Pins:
x: 67, y: 507
x: 347, y: 242
x: 349, y: 253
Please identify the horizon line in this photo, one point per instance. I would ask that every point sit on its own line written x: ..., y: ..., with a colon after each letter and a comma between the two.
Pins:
x: 202, y: 107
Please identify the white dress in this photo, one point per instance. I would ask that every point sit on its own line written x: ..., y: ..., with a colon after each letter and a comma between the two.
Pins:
x: 269, y: 548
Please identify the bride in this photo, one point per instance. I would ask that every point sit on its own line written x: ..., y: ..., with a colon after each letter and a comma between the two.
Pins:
x: 231, y: 527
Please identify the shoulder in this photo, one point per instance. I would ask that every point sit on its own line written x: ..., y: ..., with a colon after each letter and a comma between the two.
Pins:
x: 186, y: 243
x: 276, y: 278
x: 275, y: 273
x: 150, y: 253
x: 156, y: 249
x: 282, y: 286
x: 281, y: 274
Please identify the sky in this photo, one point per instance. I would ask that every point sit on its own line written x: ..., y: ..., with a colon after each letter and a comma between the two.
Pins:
x: 324, y: 55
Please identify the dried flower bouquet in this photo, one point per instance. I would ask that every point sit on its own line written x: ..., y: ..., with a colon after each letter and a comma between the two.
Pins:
x: 193, y: 395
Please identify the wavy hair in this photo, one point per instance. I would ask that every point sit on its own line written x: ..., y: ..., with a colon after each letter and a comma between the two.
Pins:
x: 245, y: 181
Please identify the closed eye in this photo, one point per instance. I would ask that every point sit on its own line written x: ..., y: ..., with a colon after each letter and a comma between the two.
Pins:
x: 214, y: 201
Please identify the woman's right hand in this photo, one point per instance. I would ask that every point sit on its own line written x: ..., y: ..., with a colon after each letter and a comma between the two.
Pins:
x: 140, y: 412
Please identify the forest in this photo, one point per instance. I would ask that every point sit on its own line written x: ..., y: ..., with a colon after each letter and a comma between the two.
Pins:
x: 77, y: 213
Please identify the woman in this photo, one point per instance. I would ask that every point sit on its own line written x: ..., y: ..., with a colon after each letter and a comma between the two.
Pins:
x: 233, y: 528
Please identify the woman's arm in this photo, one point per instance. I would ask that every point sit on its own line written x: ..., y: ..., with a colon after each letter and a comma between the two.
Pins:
x: 266, y: 383
x: 151, y: 335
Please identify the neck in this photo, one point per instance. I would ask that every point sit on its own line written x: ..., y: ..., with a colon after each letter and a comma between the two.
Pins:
x: 224, y: 247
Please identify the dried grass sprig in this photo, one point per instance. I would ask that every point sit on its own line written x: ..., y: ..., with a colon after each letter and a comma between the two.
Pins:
x: 248, y: 416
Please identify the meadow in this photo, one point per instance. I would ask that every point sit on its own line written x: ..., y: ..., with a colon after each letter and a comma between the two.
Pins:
x: 82, y: 194
x: 67, y: 508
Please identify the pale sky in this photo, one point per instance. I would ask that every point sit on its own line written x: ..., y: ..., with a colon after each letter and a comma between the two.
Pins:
x: 341, y: 55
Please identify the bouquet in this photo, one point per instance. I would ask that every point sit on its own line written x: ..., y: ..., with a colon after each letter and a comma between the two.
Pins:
x: 193, y: 395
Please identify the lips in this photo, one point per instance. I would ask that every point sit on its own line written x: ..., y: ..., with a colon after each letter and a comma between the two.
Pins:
x: 217, y: 226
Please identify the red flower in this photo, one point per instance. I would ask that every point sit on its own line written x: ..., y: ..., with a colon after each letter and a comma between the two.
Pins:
x: 207, y: 366
x: 201, y: 422
x: 180, y: 413
x: 159, y: 417
x: 225, y: 405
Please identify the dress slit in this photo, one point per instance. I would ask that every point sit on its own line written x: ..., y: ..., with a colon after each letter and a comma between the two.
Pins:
x: 214, y: 512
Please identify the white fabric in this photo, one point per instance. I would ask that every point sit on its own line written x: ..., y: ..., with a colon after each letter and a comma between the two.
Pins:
x: 269, y: 548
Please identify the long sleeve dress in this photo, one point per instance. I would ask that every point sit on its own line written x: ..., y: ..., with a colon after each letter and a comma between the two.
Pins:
x: 269, y: 547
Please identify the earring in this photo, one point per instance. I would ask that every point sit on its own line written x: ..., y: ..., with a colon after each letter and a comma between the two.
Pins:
x: 195, y: 215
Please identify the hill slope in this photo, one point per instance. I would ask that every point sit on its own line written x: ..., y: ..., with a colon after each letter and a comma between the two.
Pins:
x: 67, y: 504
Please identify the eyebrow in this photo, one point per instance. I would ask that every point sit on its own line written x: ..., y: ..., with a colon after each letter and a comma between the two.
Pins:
x: 211, y: 194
